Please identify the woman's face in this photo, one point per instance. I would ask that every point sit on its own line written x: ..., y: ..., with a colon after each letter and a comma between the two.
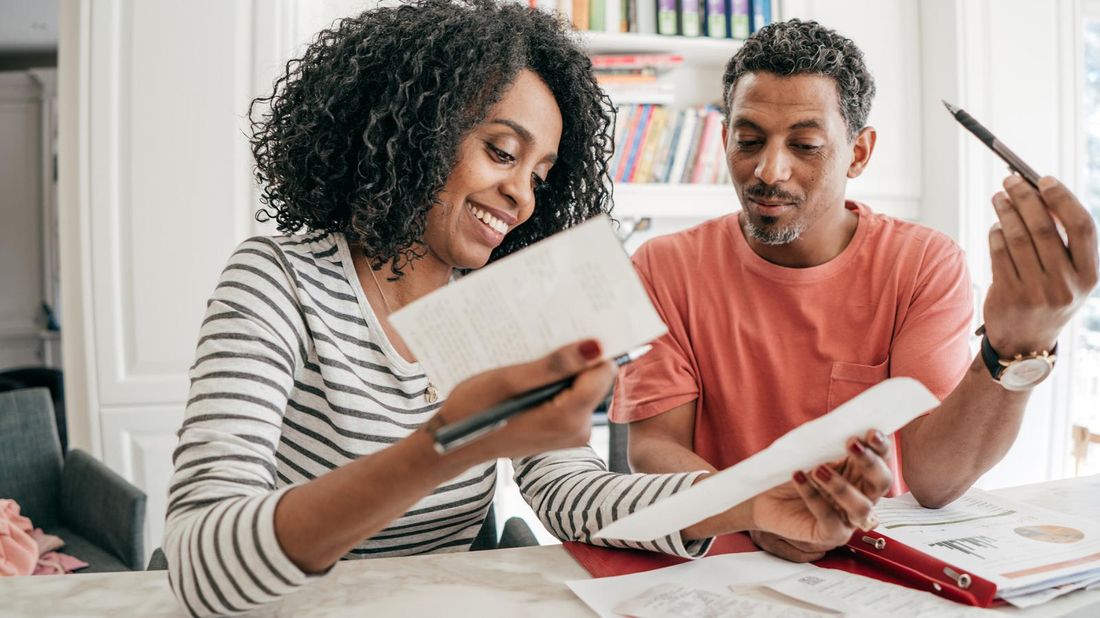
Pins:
x: 492, y: 188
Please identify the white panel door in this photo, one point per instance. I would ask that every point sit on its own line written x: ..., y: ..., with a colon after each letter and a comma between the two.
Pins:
x: 170, y: 187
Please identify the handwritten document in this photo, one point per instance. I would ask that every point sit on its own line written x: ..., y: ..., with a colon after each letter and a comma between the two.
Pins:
x: 887, y: 407
x: 574, y: 285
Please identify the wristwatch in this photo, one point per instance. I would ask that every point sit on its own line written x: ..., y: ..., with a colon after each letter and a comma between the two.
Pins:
x: 1021, y: 372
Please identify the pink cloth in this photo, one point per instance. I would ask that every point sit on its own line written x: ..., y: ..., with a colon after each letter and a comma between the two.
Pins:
x: 18, y: 551
x: 26, y: 550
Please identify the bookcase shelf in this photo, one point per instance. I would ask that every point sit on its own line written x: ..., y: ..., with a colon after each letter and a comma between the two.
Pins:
x: 697, y: 51
x: 686, y: 201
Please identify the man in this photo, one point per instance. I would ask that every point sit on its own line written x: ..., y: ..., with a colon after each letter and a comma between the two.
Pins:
x: 802, y: 300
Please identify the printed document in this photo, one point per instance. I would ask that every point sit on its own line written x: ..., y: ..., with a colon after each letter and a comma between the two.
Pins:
x: 575, y: 285
x: 1022, y: 548
x: 887, y: 406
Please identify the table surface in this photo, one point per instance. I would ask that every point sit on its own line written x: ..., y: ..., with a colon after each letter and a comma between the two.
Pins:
x: 527, y: 581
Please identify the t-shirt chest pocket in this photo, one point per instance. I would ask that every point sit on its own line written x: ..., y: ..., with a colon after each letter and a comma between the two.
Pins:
x: 850, y: 379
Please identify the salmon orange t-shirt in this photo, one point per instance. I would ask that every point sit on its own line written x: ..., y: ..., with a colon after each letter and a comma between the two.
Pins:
x: 763, y: 348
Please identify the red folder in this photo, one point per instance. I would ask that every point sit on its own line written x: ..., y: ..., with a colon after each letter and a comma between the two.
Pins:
x: 867, y: 553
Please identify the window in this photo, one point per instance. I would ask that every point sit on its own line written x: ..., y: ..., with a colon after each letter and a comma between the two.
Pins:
x: 1085, y: 343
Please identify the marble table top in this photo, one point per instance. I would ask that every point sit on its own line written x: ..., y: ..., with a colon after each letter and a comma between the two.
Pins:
x: 526, y: 581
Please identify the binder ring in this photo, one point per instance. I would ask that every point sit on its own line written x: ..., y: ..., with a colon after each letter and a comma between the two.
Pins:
x: 879, y: 543
x: 962, y: 579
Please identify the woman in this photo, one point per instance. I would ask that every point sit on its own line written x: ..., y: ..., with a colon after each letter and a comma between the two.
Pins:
x: 409, y: 143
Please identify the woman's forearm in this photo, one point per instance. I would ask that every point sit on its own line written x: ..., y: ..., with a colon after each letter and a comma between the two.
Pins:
x: 318, y: 522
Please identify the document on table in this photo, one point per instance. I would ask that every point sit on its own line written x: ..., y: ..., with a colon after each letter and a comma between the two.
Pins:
x: 676, y: 601
x: 887, y: 406
x: 574, y: 285
x: 1020, y: 547
x: 855, y: 595
x: 714, y: 574
x: 1076, y: 496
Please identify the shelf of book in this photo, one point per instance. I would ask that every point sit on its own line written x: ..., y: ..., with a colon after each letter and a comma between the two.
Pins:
x: 706, y: 201
x: 697, y: 51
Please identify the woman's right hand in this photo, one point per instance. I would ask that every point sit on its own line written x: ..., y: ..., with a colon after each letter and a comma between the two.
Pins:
x: 563, y: 422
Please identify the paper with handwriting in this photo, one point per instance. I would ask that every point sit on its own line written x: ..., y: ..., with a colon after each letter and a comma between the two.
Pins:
x: 574, y: 285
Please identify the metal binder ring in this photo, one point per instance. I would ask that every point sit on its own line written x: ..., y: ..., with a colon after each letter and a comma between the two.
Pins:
x: 879, y: 543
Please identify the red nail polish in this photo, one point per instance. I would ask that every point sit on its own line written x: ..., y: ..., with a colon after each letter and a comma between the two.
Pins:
x: 856, y: 448
x: 799, y: 477
x: 823, y: 474
x: 590, y: 349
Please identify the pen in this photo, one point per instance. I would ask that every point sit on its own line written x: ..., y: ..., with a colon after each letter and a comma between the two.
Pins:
x: 1015, y: 163
x: 450, y: 437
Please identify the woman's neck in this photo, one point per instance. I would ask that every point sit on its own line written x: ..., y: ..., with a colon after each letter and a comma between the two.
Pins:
x: 419, y: 277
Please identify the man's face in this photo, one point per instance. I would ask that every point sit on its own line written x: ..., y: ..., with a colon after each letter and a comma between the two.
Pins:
x: 788, y: 151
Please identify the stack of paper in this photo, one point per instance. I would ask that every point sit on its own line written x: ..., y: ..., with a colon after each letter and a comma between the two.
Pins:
x: 1031, y: 553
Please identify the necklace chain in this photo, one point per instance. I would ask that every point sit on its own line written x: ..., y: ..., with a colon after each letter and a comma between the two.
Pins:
x: 430, y: 394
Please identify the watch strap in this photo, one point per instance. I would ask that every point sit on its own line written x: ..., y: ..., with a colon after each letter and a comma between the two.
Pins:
x: 992, y: 358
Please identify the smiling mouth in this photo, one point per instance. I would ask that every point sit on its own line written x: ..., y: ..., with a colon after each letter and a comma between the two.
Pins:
x: 489, y: 220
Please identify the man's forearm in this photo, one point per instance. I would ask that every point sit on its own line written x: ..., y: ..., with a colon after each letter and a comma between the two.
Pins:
x: 943, y: 453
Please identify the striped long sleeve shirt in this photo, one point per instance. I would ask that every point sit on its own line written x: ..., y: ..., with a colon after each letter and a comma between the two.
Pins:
x: 294, y: 377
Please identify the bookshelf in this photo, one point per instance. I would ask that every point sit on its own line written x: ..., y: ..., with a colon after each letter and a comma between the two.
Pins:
x: 697, y: 51
x: 696, y: 82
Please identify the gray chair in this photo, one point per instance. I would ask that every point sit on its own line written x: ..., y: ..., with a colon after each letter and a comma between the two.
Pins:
x: 98, y: 514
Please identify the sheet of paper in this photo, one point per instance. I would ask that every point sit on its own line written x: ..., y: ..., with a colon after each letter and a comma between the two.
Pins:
x: 571, y: 286
x: 855, y: 595
x: 676, y: 601
x: 1077, y: 496
x: 1024, y: 601
x: 887, y: 406
x: 714, y: 574
x: 1020, y: 547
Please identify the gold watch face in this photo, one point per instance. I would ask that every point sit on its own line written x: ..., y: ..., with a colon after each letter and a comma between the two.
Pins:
x: 1026, y: 373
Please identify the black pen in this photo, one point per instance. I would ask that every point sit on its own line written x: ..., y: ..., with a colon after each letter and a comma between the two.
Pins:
x: 1015, y: 163
x: 450, y: 437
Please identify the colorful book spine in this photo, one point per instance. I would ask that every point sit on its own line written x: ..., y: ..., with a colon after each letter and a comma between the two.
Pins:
x: 633, y: 153
x: 580, y: 14
x: 643, y: 171
x: 708, y: 146
x: 666, y: 17
x: 761, y: 14
x: 613, y: 15
x: 740, y: 25
x: 637, y: 125
x: 647, y: 16
x: 717, y: 22
x: 597, y: 14
x: 691, y: 17
x: 693, y: 150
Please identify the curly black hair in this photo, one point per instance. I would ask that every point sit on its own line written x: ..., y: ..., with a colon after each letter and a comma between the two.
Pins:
x: 361, y: 132
x: 796, y: 47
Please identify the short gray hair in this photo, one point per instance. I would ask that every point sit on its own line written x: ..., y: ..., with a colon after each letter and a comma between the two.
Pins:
x: 797, y: 47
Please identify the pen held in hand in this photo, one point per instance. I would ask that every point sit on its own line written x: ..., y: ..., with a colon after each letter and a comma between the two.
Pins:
x: 1015, y: 163
x: 454, y: 435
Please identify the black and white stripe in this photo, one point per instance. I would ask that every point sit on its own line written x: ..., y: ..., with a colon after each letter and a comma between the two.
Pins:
x: 293, y: 378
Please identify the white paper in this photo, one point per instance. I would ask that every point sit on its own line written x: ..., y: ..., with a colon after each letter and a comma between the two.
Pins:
x: 1048, y: 594
x: 1022, y: 548
x: 574, y: 285
x: 714, y: 574
x: 855, y: 595
x: 1076, y: 496
x: 887, y: 406
x: 676, y: 601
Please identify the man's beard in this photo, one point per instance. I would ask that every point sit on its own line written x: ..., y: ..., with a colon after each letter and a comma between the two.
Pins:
x: 769, y: 234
